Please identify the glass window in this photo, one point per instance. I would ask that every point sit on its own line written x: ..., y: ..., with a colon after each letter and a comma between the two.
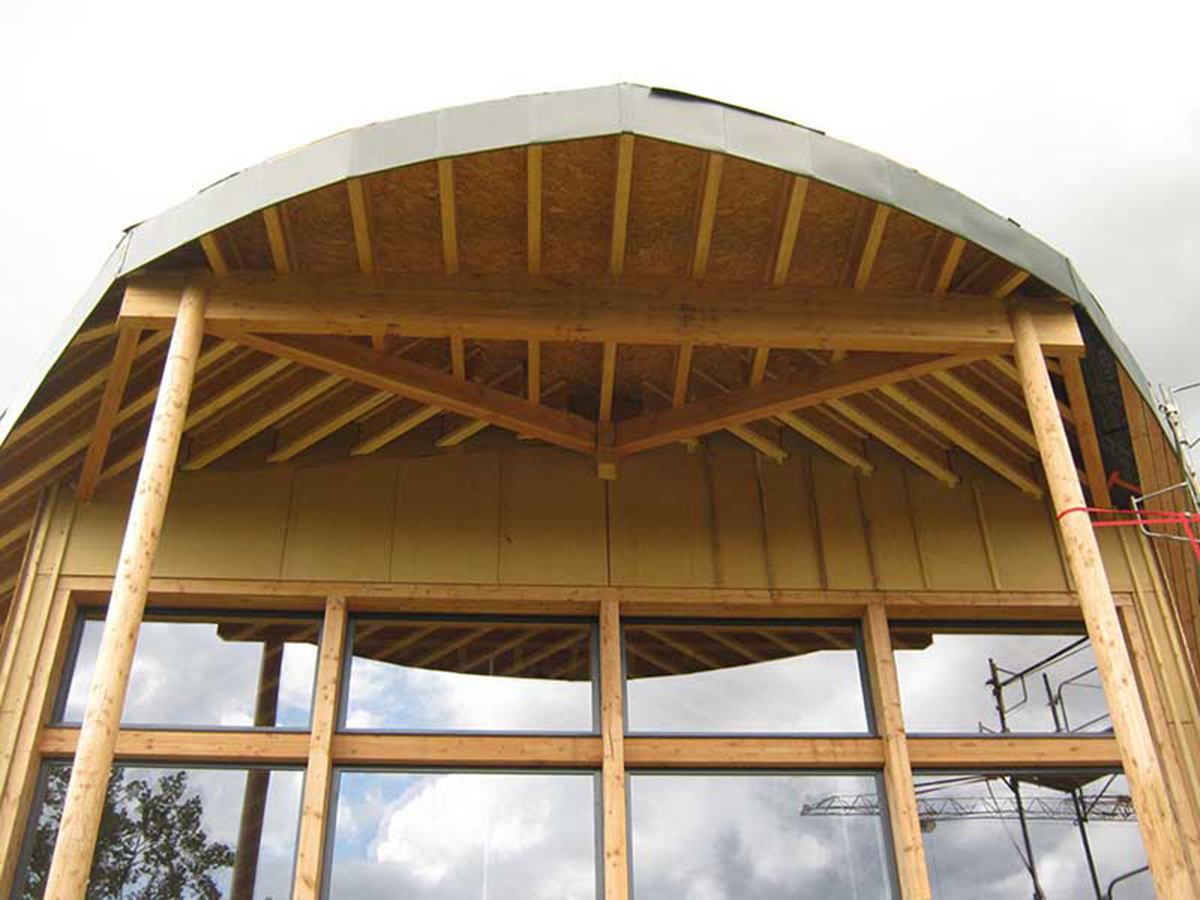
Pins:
x: 1063, y: 835
x: 468, y: 674
x: 1005, y: 680
x: 179, y: 833
x: 743, y: 677
x: 752, y: 836
x: 433, y: 835
x: 204, y: 670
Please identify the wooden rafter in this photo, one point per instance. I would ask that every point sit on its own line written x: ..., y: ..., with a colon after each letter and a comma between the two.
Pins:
x: 739, y: 407
x: 405, y: 379
x: 797, y: 193
x: 472, y: 427
x: 621, y: 193
x: 959, y: 430
x: 708, y: 214
x: 636, y: 311
x: 1009, y: 284
x: 851, y: 456
x: 449, y: 217
x: 949, y: 265
x: 683, y: 372
x: 746, y: 433
x: 533, y: 245
x: 758, y: 367
x: 870, y: 247
x: 106, y: 415
x: 91, y: 334
x: 987, y: 407
x: 1085, y: 429
x: 608, y: 373
x: 360, y: 220
x: 212, y: 252
x: 869, y: 420
x: 277, y: 238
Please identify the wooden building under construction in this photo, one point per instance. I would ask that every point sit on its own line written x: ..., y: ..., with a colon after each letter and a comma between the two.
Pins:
x: 590, y: 495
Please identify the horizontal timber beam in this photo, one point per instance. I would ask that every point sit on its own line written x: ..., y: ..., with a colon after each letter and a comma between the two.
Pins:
x: 632, y: 311
x: 370, y: 597
x: 291, y: 748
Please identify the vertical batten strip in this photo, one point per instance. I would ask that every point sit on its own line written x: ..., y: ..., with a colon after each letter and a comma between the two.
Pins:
x: 314, y: 814
x: 897, y: 767
x: 1100, y: 614
x: 76, y: 845
x: 612, y: 728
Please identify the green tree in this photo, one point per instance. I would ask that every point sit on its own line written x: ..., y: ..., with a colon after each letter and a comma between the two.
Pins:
x: 152, y: 843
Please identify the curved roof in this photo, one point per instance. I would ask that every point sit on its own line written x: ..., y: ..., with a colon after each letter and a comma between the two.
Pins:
x: 543, y: 118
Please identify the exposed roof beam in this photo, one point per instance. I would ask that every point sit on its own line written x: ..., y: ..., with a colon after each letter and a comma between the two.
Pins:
x: 356, y: 363
x: 827, y: 442
x: 94, y: 333
x: 958, y: 430
x: 533, y: 244
x: 708, y: 214
x: 360, y: 220
x: 533, y: 392
x: 608, y: 375
x: 985, y: 405
x: 620, y: 222
x: 277, y: 239
x: 758, y: 368
x: 636, y: 311
x: 15, y: 534
x: 471, y: 427
x: 870, y: 247
x: 746, y: 433
x: 212, y: 252
x: 932, y: 462
x: 1010, y: 284
x: 740, y: 407
x: 949, y: 264
x: 449, y: 218
x: 333, y: 411
x: 1085, y: 429
x: 791, y: 227
x: 106, y: 415
x: 683, y: 371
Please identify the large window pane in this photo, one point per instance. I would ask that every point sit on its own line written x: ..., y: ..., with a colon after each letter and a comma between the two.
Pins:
x: 747, y: 677
x: 429, y: 836
x: 203, y: 670
x: 992, y: 835
x: 751, y: 836
x: 178, y: 833
x: 1010, y: 680
x: 464, y: 674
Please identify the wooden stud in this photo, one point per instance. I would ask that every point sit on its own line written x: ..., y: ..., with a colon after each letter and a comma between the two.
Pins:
x: 446, y: 204
x: 106, y: 415
x: 360, y: 219
x: 708, y: 214
x: 791, y: 227
x: 314, y: 812
x: 458, y: 358
x: 277, y: 239
x: 80, y: 824
x: 897, y: 767
x: 954, y: 252
x: 612, y: 733
x: 866, y: 262
x: 1100, y: 615
x: 1085, y: 430
x: 1010, y: 284
x: 620, y: 224
x: 608, y: 371
x: 683, y: 370
x: 212, y: 252
x: 758, y: 368
x: 533, y: 206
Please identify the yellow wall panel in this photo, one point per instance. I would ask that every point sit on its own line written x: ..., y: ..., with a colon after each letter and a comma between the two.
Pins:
x: 793, y: 547
x: 739, y: 539
x: 890, y: 529
x: 843, y: 538
x: 949, y: 534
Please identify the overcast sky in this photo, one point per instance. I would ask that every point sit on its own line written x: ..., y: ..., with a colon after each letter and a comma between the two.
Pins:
x: 1079, y: 120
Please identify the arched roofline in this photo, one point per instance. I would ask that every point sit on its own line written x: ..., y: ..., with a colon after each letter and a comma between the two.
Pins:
x: 567, y: 115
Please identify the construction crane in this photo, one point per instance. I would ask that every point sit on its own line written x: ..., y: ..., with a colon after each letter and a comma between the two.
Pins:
x: 931, y: 810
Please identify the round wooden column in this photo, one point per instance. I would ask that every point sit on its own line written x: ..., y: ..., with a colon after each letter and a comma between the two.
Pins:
x: 74, y: 849
x: 1167, y: 864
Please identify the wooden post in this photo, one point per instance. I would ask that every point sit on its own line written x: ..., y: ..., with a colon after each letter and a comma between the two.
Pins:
x: 1138, y: 755
x: 72, y: 862
x: 612, y: 729
x: 314, y: 814
x: 897, y: 767
x: 258, y: 781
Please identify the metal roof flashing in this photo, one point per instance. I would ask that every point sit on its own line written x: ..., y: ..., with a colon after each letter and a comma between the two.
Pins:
x: 660, y: 113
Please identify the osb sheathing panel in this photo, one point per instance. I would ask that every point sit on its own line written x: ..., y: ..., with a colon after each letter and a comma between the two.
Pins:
x: 662, y: 211
x: 826, y: 232
x: 319, y: 231
x: 750, y: 207
x: 341, y: 522
x: 538, y: 515
x: 578, y: 183
x: 248, y: 243
x: 906, y: 243
x: 490, y: 191
x: 406, y: 221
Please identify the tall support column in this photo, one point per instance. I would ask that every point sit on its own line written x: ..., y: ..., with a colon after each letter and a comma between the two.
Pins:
x: 897, y: 767
x: 72, y: 863
x: 1146, y: 783
x: 612, y: 729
